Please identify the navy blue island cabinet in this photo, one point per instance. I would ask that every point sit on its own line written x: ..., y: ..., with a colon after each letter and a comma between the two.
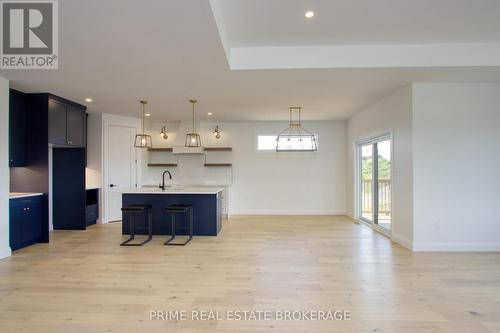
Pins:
x: 25, y: 226
x: 207, y: 211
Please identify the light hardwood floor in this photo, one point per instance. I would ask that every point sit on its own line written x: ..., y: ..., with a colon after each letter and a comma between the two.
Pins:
x: 84, y: 282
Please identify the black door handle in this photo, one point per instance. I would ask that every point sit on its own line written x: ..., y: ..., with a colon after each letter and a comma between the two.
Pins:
x: 112, y: 185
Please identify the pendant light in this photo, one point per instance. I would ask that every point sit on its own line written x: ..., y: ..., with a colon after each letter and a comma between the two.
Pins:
x: 193, y: 139
x: 143, y: 140
x: 296, y: 137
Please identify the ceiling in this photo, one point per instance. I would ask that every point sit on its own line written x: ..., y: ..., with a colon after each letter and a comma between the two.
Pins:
x: 348, y: 22
x: 121, y: 51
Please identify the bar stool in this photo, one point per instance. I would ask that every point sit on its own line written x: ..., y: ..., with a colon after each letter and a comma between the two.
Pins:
x: 134, y: 210
x: 180, y: 209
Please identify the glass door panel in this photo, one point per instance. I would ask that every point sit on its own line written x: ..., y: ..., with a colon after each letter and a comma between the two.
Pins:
x: 384, y: 183
x: 366, y: 189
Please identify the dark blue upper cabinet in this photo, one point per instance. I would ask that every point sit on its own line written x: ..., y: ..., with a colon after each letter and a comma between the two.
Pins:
x: 57, y: 122
x: 75, y: 130
x: 17, y: 128
x: 66, y: 123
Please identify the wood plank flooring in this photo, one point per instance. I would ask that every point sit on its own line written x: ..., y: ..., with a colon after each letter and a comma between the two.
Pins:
x: 84, y: 282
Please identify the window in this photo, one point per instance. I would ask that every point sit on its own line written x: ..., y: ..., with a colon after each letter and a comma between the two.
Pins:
x: 268, y: 143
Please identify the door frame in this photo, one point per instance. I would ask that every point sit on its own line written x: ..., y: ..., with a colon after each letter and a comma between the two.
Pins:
x: 358, y: 215
x: 119, y: 121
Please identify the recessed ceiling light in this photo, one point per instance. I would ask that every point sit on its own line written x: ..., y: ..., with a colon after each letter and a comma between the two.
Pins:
x: 309, y: 14
x: 210, y: 113
x: 148, y: 114
x: 88, y: 100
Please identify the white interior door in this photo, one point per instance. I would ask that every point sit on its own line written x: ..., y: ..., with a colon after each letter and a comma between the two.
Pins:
x: 122, y: 167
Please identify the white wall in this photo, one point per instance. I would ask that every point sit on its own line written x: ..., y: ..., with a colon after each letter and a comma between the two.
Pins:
x: 456, y: 167
x: 446, y: 141
x: 94, y: 150
x: 93, y: 171
x: 390, y: 115
x: 4, y: 168
x: 264, y: 182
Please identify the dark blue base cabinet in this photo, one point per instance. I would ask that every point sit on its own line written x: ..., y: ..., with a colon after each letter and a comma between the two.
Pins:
x: 207, y: 214
x: 25, y: 221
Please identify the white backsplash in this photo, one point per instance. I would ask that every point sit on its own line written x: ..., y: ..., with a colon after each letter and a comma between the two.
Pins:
x: 190, y: 170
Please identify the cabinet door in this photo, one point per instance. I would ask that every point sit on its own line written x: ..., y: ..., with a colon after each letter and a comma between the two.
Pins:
x: 17, y: 129
x: 76, y: 126
x: 15, y: 227
x: 57, y: 122
x: 31, y: 222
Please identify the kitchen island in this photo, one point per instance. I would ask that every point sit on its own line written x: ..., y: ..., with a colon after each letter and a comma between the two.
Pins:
x: 206, y: 202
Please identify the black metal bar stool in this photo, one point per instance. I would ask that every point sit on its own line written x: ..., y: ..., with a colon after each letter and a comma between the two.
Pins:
x: 176, y: 209
x: 134, y: 210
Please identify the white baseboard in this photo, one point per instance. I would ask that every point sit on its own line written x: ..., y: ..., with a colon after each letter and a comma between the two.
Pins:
x: 403, y: 241
x: 5, y: 252
x: 456, y: 247
x: 349, y: 214
x: 287, y: 212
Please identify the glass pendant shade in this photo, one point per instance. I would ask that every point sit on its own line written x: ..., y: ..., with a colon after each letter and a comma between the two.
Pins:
x: 295, y: 137
x: 143, y: 140
x: 193, y: 139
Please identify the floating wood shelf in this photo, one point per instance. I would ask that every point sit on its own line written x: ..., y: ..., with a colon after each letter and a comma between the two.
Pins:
x: 218, y: 148
x: 162, y: 164
x: 218, y: 164
x: 160, y: 149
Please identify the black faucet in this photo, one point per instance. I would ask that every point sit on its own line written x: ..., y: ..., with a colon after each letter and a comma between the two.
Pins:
x: 163, y: 179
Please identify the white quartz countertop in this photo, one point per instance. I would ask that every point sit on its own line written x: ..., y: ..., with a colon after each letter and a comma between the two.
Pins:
x: 14, y: 195
x: 175, y: 190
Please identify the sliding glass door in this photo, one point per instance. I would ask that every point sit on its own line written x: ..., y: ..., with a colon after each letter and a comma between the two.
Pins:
x: 375, y: 183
